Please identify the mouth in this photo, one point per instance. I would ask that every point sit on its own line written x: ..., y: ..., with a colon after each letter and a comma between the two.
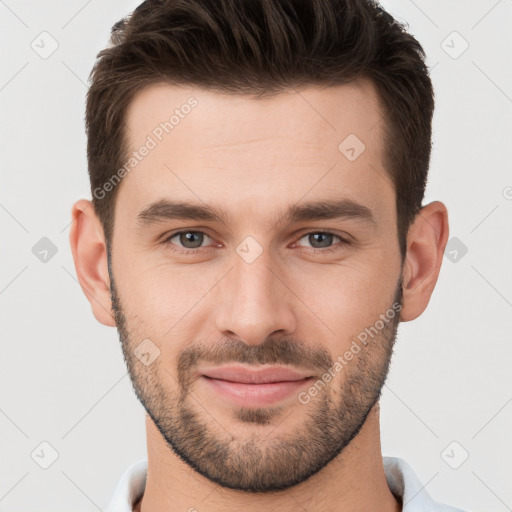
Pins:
x: 254, y: 387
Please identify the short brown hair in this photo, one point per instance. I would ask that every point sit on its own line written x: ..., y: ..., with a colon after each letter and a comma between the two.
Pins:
x: 263, y: 47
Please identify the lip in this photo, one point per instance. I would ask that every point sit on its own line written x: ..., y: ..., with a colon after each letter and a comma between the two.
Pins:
x: 254, y: 388
x: 254, y: 376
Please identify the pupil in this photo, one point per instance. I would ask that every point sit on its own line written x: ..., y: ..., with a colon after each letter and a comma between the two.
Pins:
x: 325, y: 239
x: 189, y: 237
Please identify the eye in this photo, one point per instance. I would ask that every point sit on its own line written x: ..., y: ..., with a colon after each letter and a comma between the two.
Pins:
x: 323, y: 240
x: 187, y: 240
x: 190, y: 241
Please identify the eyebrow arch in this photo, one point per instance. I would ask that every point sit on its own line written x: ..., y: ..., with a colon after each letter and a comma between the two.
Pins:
x: 330, y: 209
x: 165, y: 209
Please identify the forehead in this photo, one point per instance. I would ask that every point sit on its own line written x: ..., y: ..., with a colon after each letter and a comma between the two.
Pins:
x: 230, y: 119
x: 218, y: 148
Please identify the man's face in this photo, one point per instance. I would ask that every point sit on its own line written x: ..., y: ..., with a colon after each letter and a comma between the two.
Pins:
x: 257, y: 288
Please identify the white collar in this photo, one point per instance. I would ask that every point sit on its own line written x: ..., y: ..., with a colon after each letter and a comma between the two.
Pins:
x: 402, y: 482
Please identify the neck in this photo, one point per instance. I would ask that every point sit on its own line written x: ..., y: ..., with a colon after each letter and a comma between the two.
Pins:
x: 354, y: 480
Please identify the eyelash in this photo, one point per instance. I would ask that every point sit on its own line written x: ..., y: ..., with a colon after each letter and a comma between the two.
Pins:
x: 182, y: 250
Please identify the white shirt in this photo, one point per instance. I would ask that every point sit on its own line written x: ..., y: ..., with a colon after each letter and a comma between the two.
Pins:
x: 402, y: 482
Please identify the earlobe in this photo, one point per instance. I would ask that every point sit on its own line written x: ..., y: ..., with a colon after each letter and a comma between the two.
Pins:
x: 426, y: 242
x: 90, y: 257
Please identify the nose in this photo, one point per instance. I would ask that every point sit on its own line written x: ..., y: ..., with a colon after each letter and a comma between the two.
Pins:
x: 255, y: 301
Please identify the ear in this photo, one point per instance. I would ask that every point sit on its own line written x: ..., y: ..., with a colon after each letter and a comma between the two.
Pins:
x: 426, y: 242
x: 90, y: 256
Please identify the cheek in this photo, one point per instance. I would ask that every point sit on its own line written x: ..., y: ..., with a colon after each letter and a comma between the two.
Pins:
x: 160, y: 300
x: 346, y: 298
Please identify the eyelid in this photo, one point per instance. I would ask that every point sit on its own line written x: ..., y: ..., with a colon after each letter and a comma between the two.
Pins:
x: 340, y: 234
x: 167, y: 237
x: 343, y: 241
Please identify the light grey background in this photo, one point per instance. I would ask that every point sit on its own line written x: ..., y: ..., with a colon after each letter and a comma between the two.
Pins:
x: 62, y: 376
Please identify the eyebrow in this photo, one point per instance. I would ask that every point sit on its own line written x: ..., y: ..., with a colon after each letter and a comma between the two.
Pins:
x: 166, y: 209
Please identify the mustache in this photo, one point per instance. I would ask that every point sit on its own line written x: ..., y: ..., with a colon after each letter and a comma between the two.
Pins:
x: 276, y: 351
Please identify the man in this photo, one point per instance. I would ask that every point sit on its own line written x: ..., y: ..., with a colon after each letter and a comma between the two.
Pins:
x: 257, y: 234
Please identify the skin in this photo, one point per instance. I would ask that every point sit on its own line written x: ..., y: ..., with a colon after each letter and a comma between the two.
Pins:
x: 295, y: 302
